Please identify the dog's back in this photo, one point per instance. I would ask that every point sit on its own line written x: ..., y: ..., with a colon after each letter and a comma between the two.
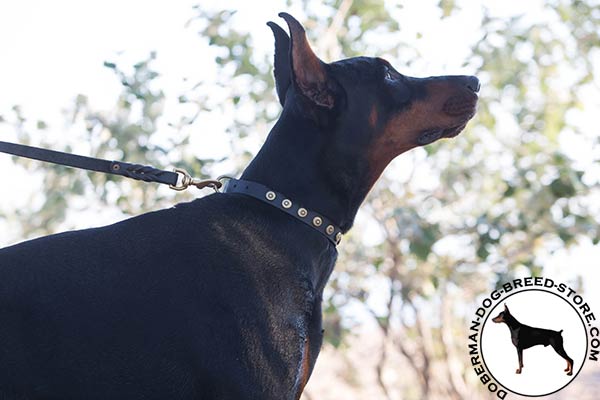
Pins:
x: 529, y: 336
x: 169, y: 304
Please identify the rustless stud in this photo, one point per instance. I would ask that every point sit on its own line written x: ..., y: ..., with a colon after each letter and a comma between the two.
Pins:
x: 317, y: 221
x: 270, y: 195
x: 286, y: 203
x: 338, y: 238
x: 302, y: 212
x: 330, y: 229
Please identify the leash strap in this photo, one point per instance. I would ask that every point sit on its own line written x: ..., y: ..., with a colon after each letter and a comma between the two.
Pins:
x: 145, y: 173
x: 134, y: 171
x: 320, y: 223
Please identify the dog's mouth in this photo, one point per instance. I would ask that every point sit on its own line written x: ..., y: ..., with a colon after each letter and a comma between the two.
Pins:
x: 463, y: 107
x: 431, y: 135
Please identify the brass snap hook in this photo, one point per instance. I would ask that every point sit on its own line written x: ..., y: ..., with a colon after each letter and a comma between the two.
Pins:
x: 187, y: 180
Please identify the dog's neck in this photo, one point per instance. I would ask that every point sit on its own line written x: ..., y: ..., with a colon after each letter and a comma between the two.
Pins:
x: 299, y: 160
x: 511, y: 321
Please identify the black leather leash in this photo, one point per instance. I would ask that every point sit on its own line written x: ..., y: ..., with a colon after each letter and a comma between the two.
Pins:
x: 145, y: 173
x: 134, y: 171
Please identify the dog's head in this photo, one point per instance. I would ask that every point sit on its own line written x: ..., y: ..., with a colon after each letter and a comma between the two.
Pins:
x: 378, y: 112
x: 503, y: 316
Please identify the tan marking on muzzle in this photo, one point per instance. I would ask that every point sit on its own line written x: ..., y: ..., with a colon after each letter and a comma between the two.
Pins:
x: 446, y: 105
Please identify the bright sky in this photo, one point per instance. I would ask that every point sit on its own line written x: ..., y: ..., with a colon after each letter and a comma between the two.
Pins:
x: 53, y: 50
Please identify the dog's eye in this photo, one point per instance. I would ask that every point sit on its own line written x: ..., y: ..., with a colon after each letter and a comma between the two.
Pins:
x: 388, y: 74
x: 398, y: 89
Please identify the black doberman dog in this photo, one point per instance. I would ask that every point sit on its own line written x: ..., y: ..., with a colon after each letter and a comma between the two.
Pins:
x: 220, y: 298
x: 524, y: 337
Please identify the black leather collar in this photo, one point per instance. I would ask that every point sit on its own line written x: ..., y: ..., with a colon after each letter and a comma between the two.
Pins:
x: 318, y: 222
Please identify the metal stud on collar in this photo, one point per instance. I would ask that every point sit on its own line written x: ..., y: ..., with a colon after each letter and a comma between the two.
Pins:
x: 318, y: 222
x: 270, y: 195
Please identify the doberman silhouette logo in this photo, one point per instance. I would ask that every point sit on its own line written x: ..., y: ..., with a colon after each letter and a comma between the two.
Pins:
x: 524, y: 336
x: 541, y: 334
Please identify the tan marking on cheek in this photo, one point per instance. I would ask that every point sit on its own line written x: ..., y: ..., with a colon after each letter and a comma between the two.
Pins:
x: 398, y: 136
x: 401, y: 132
x: 373, y: 117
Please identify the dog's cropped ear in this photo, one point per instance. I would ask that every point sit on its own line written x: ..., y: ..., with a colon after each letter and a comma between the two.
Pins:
x: 282, y: 68
x: 308, y: 72
x: 506, y: 307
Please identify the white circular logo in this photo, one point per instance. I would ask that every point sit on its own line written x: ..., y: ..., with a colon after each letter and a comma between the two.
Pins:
x: 534, y: 343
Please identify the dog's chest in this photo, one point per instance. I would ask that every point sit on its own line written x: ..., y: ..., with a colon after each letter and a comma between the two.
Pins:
x: 514, y: 337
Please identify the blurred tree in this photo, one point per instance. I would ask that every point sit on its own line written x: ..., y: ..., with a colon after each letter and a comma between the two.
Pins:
x: 127, y: 132
x: 461, y: 217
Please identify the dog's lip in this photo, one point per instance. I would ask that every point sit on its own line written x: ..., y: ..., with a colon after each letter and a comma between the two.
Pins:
x: 431, y: 135
x: 454, y: 131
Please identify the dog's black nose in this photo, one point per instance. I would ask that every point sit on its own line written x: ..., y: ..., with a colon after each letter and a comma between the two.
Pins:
x: 468, y: 81
x: 472, y: 83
